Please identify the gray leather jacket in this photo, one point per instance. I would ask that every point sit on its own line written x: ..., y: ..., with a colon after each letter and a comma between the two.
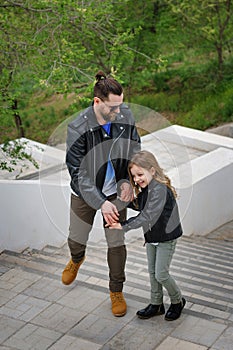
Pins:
x: 159, y: 216
x: 89, y: 148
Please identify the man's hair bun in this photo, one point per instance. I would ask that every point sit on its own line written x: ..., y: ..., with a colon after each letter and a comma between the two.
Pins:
x: 106, y: 85
x: 100, y: 75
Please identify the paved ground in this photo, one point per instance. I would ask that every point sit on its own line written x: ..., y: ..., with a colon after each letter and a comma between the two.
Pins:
x: 38, y: 312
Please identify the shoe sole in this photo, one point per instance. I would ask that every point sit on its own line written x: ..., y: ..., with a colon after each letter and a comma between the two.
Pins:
x: 67, y: 284
x: 147, y: 317
x: 120, y: 315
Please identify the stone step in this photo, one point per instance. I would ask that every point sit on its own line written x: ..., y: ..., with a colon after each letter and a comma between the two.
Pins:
x: 205, y: 279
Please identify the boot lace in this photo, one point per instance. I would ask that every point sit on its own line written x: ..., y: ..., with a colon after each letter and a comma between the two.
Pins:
x: 72, y: 267
x: 117, y: 297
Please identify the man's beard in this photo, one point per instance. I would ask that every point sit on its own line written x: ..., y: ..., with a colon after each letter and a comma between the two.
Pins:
x: 109, y: 117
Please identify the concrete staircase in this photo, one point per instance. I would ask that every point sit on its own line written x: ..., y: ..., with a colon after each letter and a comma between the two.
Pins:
x: 203, y: 269
x: 32, y: 297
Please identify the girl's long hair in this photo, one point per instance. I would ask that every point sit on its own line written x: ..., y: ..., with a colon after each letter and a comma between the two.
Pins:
x: 147, y: 160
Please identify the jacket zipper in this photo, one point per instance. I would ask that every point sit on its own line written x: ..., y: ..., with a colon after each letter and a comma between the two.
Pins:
x: 114, y: 144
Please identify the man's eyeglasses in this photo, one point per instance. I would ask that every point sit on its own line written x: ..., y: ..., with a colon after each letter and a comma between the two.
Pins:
x: 111, y: 108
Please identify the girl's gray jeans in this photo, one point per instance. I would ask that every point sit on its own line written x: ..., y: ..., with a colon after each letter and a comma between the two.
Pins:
x: 159, y: 261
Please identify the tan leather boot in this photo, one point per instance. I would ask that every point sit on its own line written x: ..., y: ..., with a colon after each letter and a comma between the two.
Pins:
x: 119, y: 306
x: 70, y: 272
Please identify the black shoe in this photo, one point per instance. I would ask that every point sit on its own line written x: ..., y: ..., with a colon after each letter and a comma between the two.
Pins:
x: 174, y: 311
x: 151, y: 310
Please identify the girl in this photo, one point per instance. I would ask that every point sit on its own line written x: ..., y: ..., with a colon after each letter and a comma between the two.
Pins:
x: 159, y: 218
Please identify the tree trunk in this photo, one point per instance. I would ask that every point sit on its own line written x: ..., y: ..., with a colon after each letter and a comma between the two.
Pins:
x: 18, y: 121
x: 220, y: 62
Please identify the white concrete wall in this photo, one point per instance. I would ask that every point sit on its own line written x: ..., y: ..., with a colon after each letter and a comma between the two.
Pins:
x: 194, y: 138
x: 208, y: 203
x: 33, y: 214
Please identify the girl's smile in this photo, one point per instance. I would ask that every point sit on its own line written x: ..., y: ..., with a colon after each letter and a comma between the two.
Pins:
x: 141, y: 176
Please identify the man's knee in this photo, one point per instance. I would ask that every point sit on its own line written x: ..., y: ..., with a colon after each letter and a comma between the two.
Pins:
x: 114, y: 238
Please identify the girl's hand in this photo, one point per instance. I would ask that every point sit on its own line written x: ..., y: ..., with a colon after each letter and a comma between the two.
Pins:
x: 116, y: 226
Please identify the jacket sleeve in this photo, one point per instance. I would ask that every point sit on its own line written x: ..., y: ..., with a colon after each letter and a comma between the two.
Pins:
x: 76, y: 159
x: 151, y: 212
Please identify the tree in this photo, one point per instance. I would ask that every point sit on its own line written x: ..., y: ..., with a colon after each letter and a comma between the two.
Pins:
x: 58, y: 44
x: 212, y: 21
x: 61, y: 43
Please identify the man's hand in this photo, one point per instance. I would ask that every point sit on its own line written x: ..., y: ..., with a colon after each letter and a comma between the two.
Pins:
x: 126, y: 192
x: 110, y: 213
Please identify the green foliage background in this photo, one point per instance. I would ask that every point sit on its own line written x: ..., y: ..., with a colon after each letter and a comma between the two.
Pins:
x: 171, y: 56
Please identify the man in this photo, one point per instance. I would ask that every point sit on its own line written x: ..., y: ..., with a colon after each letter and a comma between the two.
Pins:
x: 100, y: 142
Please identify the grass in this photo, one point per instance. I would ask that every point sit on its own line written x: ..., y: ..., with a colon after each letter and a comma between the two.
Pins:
x: 192, y: 96
x: 44, y: 115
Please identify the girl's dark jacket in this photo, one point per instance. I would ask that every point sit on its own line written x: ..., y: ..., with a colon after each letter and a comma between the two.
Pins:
x: 159, y: 216
x: 89, y: 148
